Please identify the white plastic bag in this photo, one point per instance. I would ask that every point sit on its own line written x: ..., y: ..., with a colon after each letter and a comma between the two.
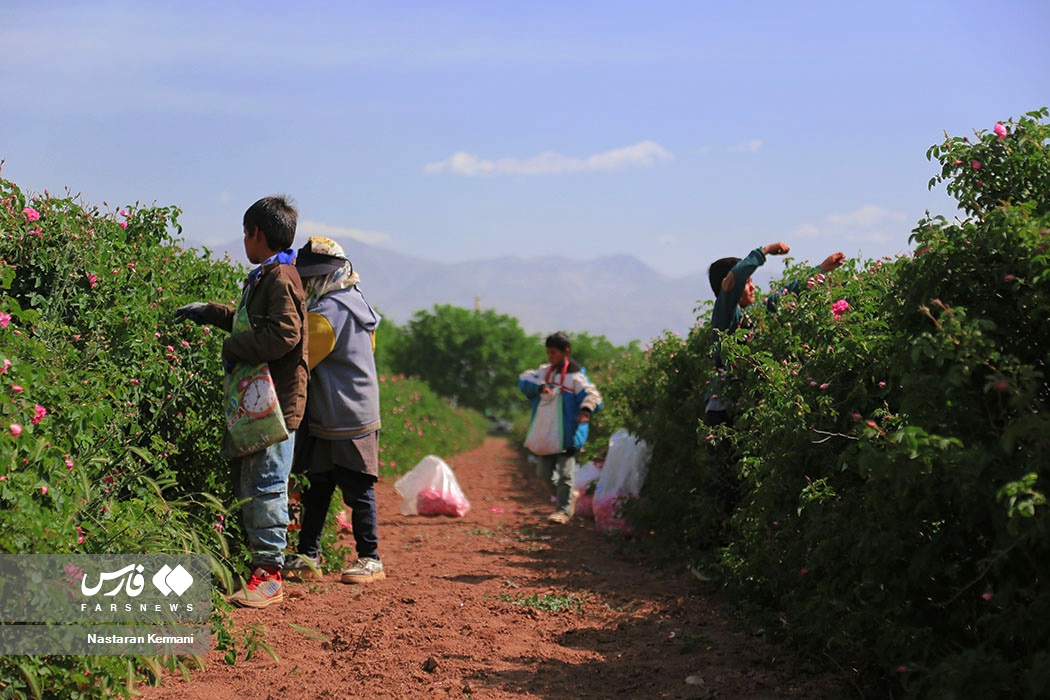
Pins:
x: 584, y: 482
x: 546, y: 432
x: 431, y: 489
x: 622, y: 477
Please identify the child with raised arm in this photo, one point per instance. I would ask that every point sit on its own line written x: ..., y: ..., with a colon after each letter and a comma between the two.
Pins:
x: 734, y: 291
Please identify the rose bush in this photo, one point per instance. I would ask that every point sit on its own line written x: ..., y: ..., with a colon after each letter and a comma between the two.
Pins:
x: 111, y: 411
x: 891, y: 447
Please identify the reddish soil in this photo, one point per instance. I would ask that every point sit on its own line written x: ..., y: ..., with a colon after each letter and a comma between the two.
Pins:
x: 444, y: 623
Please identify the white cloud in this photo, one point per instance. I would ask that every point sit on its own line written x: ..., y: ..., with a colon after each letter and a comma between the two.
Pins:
x: 642, y: 154
x: 866, y: 216
x: 872, y: 236
x: 752, y: 146
x: 805, y: 231
x: 867, y: 223
x: 317, y: 228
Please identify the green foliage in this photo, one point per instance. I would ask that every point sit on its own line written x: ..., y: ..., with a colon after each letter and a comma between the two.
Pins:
x: 548, y: 602
x: 109, y: 441
x: 890, y: 457
x: 597, y: 353
x: 471, y: 357
x: 418, y: 422
x: 389, y: 337
x: 110, y: 423
x: 659, y: 396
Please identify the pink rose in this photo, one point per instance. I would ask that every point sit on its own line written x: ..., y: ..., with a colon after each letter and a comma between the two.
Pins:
x: 975, y: 164
x: 7, y: 366
x: 122, y: 224
x: 1000, y: 130
x: 43, y: 490
x: 17, y: 389
x: 31, y: 214
x: 5, y: 318
x: 15, y: 429
x: 38, y: 414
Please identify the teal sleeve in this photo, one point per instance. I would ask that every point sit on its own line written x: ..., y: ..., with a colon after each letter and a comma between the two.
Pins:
x: 726, y: 303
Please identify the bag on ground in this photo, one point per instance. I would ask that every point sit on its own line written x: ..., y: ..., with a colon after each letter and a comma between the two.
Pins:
x: 621, y: 480
x: 584, y: 482
x: 431, y: 489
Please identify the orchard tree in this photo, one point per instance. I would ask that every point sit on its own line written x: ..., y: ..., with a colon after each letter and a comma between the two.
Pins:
x: 596, y: 352
x: 389, y: 337
x: 473, y: 357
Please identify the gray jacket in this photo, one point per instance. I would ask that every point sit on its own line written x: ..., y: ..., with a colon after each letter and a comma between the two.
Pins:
x: 343, y: 398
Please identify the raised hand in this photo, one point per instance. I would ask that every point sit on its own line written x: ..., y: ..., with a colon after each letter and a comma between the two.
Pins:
x: 833, y: 261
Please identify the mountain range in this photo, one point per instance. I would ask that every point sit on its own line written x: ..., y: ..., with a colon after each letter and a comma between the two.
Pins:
x: 617, y: 296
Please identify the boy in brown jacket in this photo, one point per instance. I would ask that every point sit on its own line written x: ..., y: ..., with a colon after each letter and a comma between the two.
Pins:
x: 276, y: 310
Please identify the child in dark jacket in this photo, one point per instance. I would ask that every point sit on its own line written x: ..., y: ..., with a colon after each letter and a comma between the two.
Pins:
x: 266, y: 326
x: 734, y: 291
x: 580, y: 398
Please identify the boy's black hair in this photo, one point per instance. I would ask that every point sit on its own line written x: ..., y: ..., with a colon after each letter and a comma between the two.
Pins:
x: 558, y: 340
x: 718, y: 271
x: 276, y: 217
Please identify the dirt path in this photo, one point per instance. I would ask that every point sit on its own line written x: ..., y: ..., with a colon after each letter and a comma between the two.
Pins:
x: 444, y: 624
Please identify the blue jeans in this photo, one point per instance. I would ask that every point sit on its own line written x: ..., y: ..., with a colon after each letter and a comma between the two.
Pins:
x: 558, y: 471
x: 264, y: 482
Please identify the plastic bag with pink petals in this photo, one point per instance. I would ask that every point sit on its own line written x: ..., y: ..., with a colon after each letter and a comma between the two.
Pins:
x: 431, y: 489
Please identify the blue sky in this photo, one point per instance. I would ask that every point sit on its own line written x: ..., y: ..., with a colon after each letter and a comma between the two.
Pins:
x: 678, y: 132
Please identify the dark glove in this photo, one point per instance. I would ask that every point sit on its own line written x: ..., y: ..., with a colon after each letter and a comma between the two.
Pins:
x: 192, y: 312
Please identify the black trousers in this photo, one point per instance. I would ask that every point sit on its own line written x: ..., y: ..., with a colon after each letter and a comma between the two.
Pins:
x: 359, y: 494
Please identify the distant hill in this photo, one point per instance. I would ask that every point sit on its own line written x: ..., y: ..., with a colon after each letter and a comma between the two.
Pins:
x: 616, y: 296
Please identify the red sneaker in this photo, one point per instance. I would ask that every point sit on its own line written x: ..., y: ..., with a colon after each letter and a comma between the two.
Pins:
x: 262, y: 590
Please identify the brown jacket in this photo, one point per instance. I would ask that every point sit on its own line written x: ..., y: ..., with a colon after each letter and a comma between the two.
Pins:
x: 277, y: 312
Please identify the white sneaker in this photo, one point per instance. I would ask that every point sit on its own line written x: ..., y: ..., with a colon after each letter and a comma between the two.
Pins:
x: 364, y: 571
